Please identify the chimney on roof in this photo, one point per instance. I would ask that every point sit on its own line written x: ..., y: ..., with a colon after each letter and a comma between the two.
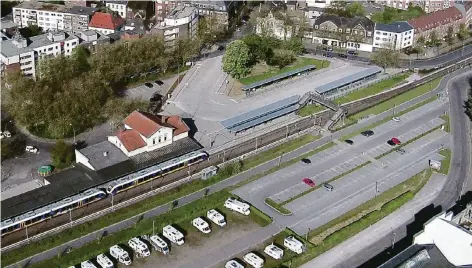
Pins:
x: 105, y: 154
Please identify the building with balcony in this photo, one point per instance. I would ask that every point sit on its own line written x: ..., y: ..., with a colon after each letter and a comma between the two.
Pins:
x: 438, y: 22
x: 120, y: 7
x: 162, y: 8
x: 77, y: 18
x: 105, y: 23
x: 427, y: 5
x: 349, y: 33
x: 181, y: 22
x: 82, y: 3
x: 395, y: 36
x: 45, y: 15
x: 23, y: 54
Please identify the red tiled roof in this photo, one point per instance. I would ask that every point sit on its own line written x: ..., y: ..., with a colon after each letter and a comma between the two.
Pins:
x: 145, y: 123
x: 436, y: 19
x: 105, y: 21
x: 131, y: 139
x: 177, y: 123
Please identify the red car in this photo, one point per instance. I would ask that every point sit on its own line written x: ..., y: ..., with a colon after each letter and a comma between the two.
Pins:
x: 396, y: 141
x: 309, y: 182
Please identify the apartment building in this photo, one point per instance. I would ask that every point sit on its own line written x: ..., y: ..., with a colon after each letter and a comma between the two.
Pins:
x: 395, y: 36
x: 52, y: 17
x: 92, y: 39
x: 105, y: 23
x: 121, y: 7
x: 437, y: 22
x: 82, y: 3
x: 23, y: 54
x: 272, y: 26
x: 427, y: 5
x: 162, y: 8
x: 181, y: 22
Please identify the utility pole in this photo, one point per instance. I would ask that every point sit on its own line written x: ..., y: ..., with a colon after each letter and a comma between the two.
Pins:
x: 70, y: 216
x: 112, y: 197
x: 280, y: 158
x: 256, y: 143
x: 393, y: 239
x: 27, y: 236
x: 394, y: 109
x: 286, y: 134
x: 153, y: 222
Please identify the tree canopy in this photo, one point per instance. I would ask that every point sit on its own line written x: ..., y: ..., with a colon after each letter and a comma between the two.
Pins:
x: 62, y: 154
x: 343, y: 9
x: 386, y: 58
x: 236, y: 59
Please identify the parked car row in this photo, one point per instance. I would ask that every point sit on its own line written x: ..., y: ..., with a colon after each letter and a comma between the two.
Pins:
x: 255, y: 260
x: 139, y: 245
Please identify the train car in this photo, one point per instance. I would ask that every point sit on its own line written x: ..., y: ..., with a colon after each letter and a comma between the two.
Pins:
x: 156, y: 171
x: 52, y: 210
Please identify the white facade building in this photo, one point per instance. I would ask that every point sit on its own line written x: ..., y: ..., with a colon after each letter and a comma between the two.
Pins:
x: 182, y: 21
x: 318, y: 3
x: 396, y: 36
x: 118, y: 6
x: 274, y: 27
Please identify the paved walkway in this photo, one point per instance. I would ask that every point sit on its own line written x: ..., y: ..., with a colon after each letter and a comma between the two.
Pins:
x: 383, y: 228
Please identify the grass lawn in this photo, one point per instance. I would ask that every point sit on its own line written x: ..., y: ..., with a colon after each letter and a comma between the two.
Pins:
x: 179, y: 217
x: 261, y: 72
x: 445, y: 164
x: 447, y: 124
x: 310, y: 109
x: 395, y: 15
x: 388, y: 104
x: 277, y: 207
x: 358, y: 219
x: 374, y: 89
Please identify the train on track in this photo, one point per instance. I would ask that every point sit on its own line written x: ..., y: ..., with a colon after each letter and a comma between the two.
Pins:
x: 100, y: 192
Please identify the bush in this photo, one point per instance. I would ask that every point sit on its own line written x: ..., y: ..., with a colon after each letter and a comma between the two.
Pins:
x: 62, y: 154
x: 282, y: 58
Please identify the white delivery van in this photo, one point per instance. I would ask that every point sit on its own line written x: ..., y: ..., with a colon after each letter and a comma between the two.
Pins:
x: 173, y: 235
x: 104, y: 261
x: 87, y: 264
x: 238, y: 206
x: 120, y: 255
x: 294, y: 245
x: 274, y: 251
x: 139, y: 247
x: 254, y: 260
x: 201, y: 225
x: 158, y: 243
x: 216, y: 217
x: 234, y: 264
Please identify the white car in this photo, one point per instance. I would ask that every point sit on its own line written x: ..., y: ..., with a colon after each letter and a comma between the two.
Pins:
x: 32, y: 149
x: 216, y: 217
x: 233, y: 264
x: 396, y: 119
x: 5, y: 134
x: 104, y: 261
x: 274, y: 251
x: 201, y: 225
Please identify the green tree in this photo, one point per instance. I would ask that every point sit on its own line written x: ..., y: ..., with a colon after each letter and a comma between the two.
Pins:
x: 258, y: 48
x: 355, y: 9
x: 468, y: 103
x: 434, y: 40
x: 31, y: 30
x: 236, y: 59
x: 450, y: 36
x: 62, y: 154
x: 282, y: 58
x: 386, y: 58
x: 294, y: 44
x: 463, y: 33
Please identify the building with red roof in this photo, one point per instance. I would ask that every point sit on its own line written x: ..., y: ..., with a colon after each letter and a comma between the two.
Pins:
x: 146, y: 132
x: 438, y: 22
x: 105, y: 23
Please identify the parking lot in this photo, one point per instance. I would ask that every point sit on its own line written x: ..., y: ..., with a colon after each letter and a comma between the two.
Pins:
x: 145, y: 93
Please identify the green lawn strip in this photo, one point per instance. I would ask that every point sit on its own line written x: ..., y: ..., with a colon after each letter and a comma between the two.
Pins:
x: 447, y: 125
x: 373, y: 89
x: 149, y: 203
x: 445, y: 164
x: 260, y: 217
x: 404, y: 97
x: 310, y: 109
x: 300, y: 62
x: 408, y: 142
x: 277, y: 207
x: 180, y: 218
x: 319, y: 185
x: 355, y: 133
x: 358, y: 219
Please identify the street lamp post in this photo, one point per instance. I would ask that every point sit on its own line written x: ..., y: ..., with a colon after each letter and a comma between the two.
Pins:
x: 7, y: 124
x: 73, y: 128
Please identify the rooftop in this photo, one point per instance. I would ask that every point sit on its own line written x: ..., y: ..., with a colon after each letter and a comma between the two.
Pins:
x: 7, y: 24
x: 131, y: 139
x: 419, y: 256
x: 435, y: 19
x: 147, y: 124
x: 348, y: 80
x: 346, y: 22
x: 41, y: 6
x: 105, y: 21
x: 80, y: 10
x: 396, y: 27
x: 117, y: 2
x: 98, y: 160
x: 181, y: 12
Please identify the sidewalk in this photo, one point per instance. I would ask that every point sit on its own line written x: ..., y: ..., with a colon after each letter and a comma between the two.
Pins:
x: 354, y: 246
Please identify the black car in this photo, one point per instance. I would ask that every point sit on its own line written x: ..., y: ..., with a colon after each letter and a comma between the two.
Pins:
x: 342, y: 56
x: 352, y: 52
x: 159, y: 82
x: 221, y: 48
x: 148, y: 85
x: 350, y: 142
x: 306, y: 161
x: 367, y: 133
x: 156, y: 97
x: 401, y: 151
x: 391, y: 143
x: 329, y: 55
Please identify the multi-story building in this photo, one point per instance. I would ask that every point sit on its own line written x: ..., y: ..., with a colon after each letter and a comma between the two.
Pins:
x: 162, y: 8
x: 105, y: 23
x: 318, y: 3
x: 395, y: 36
x: 272, y: 26
x: 179, y: 23
x: 438, y: 22
x: 23, y: 54
x: 427, y: 5
x: 121, y: 7
x: 91, y: 39
x: 82, y: 3
x: 350, y: 33
x: 76, y: 18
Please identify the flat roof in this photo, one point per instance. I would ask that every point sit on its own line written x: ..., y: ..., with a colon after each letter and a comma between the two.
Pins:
x: 254, y: 117
x: 42, y: 6
x: 180, y: 12
x: 80, y: 10
x: 21, y: 188
x: 98, y: 160
x: 265, y: 118
x: 278, y: 77
x: 348, y: 80
x: 9, y: 49
x: 80, y: 178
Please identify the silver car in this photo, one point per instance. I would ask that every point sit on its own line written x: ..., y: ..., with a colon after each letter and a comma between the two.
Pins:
x: 327, y: 186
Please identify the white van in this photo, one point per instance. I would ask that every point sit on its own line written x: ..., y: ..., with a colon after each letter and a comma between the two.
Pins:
x: 173, y: 235
x: 233, y: 264
x: 254, y: 260
x: 201, y: 225
x: 238, y: 206
x: 274, y: 251
x: 87, y: 264
x: 139, y: 247
x: 158, y: 243
x: 120, y: 255
x: 216, y: 217
x: 294, y: 245
x: 104, y: 261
